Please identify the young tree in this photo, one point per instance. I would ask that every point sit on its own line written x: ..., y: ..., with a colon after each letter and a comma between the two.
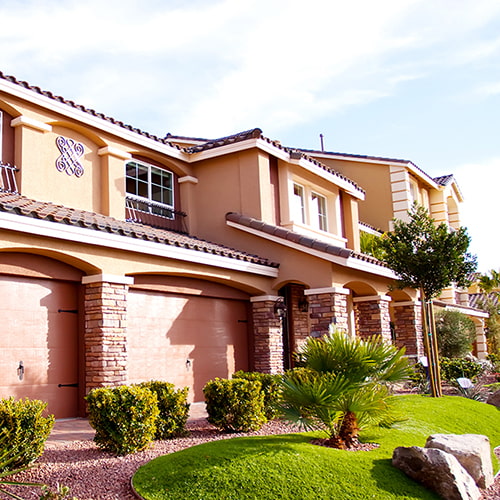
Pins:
x: 428, y: 257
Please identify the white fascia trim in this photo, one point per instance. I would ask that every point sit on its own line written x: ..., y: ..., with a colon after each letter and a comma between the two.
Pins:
x: 93, y: 121
x: 467, y: 311
x: 373, y: 298
x: 342, y: 261
x: 91, y: 237
x: 109, y: 150
x: 187, y: 178
x: 265, y: 298
x: 108, y: 278
x: 332, y: 289
x: 335, y: 179
x: 31, y: 122
x: 407, y: 303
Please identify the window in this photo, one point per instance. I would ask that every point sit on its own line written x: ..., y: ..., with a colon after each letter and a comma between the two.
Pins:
x: 150, y: 183
x: 298, y: 212
x: 318, y: 212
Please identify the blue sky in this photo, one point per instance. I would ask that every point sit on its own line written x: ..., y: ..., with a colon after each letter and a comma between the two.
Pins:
x: 416, y: 79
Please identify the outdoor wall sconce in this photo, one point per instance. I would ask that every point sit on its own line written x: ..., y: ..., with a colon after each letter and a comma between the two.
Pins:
x: 280, y: 308
x: 20, y: 370
x: 303, y: 304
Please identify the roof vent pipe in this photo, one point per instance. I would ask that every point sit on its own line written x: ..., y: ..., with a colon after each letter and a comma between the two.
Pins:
x: 321, y: 140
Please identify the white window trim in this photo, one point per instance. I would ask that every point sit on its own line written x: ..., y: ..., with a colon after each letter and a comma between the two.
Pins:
x: 149, y: 199
x: 322, y: 218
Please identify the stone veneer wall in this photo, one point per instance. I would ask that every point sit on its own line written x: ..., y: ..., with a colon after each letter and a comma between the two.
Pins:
x: 268, y: 337
x: 105, y: 335
x: 373, y: 318
x: 326, y: 308
x: 408, y: 328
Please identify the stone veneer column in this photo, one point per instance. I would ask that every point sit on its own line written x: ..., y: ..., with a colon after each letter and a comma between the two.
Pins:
x: 327, y: 306
x: 268, y: 335
x: 408, y: 328
x: 372, y: 316
x: 105, y: 337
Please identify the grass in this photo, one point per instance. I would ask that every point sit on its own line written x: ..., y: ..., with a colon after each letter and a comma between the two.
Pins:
x: 289, y: 467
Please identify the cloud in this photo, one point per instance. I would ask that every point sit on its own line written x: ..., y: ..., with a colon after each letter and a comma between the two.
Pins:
x: 480, y: 210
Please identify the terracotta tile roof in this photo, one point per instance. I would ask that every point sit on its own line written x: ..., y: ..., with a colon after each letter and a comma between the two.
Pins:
x: 89, y: 111
x: 476, y: 300
x: 300, y: 239
x: 20, y: 205
x: 444, y: 180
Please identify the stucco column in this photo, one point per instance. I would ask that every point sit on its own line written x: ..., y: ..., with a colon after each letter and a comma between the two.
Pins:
x: 327, y: 306
x: 105, y: 338
x: 408, y: 327
x: 113, y: 181
x: 268, y: 335
x: 372, y: 316
x: 480, y: 344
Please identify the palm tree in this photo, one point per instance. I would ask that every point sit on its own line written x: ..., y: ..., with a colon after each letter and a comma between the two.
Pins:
x: 343, y: 386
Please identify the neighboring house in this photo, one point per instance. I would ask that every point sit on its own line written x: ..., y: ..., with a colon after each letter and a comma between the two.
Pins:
x: 392, y: 186
x: 127, y: 257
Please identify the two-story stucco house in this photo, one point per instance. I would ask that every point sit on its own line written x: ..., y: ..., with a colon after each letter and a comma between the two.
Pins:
x: 127, y: 257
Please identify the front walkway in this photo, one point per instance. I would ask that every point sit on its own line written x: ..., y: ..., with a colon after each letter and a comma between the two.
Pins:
x: 79, y: 429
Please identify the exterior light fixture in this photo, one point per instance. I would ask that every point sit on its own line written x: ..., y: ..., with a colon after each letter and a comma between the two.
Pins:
x: 280, y: 308
x: 303, y: 304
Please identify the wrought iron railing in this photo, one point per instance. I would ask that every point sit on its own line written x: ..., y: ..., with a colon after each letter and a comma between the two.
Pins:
x: 8, y: 181
x: 154, y: 214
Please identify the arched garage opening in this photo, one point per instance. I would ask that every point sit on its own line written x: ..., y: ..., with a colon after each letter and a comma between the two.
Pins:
x: 186, y: 331
x: 41, y: 341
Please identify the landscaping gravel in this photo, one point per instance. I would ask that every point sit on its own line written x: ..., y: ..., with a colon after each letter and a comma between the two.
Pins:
x: 92, y: 474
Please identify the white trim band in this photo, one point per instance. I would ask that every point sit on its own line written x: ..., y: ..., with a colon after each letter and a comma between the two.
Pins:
x: 108, y: 278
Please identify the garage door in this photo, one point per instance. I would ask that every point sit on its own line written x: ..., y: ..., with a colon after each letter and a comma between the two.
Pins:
x: 39, y: 342
x: 185, y: 339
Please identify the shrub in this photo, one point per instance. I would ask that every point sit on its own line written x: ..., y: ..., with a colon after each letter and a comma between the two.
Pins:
x: 123, y: 417
x: 455, y: 333
x: 235, y: 405
x: 173, y: 407
x: 27, y: 428
x: 451, y: 369
x: 271, y: 387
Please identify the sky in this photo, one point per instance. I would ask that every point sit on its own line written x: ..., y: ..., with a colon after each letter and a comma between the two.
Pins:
x: 409, y: 79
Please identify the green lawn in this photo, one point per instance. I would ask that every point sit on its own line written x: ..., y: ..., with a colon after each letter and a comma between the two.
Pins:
x: 289, y: 467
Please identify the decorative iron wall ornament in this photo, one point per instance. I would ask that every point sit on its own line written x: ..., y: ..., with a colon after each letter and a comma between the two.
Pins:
x: 71, y: 151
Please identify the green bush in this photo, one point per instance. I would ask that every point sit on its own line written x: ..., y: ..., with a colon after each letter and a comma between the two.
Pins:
x: 123, y: 417
x: 173, y: 407
x: 27, y: 428
x: 271, y: 387
x: 455, y: 333
x: 235, y: 405
x: 451, y: 369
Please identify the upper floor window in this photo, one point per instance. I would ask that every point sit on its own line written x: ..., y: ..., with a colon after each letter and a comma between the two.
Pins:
x: 318, y: 212
x: 298, y: 211
x: 150, y: 183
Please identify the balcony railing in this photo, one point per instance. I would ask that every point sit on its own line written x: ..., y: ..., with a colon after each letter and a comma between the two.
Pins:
x: 155, y: 215
x: 8, y: 181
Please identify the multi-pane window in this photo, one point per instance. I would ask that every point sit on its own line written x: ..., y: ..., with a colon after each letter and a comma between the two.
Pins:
x: 298, y: 204
x: 149, y: 183
x: 318, y: 212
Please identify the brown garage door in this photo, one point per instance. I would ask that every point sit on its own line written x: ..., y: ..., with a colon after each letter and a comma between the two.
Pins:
x: 185, y: 339
x: 39, y: 331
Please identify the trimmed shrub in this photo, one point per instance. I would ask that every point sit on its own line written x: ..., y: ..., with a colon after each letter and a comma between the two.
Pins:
x: 173, y: 407
x: 235, y: 405
x: 123, y: 417
x: 27, y: 428
x: 455, y: 333
x: 271, y: 387
x: 451, y: 369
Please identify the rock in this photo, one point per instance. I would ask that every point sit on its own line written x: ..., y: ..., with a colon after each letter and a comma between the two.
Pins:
x: 494, y: 399
x: 438, y: 471
x: 471, y: 450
